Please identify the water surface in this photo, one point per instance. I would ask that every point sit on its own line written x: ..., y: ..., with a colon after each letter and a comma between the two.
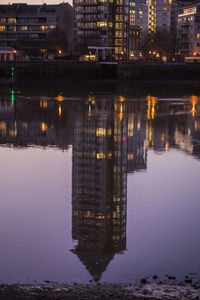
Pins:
x: 99, y: 186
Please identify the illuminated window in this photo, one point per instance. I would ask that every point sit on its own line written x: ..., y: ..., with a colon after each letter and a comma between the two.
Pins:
x: 2, y: 20
x: 118, y: 42
x: 23, y: 28
x: 198, y: 35
x: 102, y: 24
x: 43, y: 27
x: 12, y: 20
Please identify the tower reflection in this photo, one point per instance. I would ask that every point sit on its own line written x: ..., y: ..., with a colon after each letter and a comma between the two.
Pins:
x: 99, y: 199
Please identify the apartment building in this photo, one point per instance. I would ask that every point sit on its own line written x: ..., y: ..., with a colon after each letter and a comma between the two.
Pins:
x: 102, y: 25
x: 188, y: 30
x: 36, y: 27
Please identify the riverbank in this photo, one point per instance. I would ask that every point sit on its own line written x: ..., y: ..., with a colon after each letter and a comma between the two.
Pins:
x: 153, y: 291
x: 60, y: 71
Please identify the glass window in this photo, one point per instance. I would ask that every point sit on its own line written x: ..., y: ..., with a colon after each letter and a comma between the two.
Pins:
x: 12, y: 20
x: 2, y: 20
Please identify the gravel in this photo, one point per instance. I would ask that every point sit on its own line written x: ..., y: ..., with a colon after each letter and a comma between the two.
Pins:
x: 152, y: 291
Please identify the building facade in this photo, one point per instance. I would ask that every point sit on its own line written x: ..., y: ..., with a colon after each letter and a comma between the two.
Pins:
x: 104, y: 24
x: 188, y: 30
x: 36, y: 27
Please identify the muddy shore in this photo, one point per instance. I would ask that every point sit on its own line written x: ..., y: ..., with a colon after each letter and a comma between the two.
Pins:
x: 162, y: 291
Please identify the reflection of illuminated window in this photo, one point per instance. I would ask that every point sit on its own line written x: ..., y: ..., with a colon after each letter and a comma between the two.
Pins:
x: 109, y: 155
x: 3, y: 128
x: 130, y: 156
x: 13, y: 132
x: 25, y: 125
x: 2, y: 28
x: 101, y: 132
x: 43, y: 104
x: 43, y: 126
x: 100, y: 155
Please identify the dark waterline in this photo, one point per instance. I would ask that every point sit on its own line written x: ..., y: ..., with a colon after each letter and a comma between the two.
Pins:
x: 99, y: 183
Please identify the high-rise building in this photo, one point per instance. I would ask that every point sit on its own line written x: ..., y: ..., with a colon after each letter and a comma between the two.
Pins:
x: 103, y: 25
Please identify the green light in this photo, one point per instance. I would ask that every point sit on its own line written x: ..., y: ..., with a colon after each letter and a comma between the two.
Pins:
x: 13, y: 97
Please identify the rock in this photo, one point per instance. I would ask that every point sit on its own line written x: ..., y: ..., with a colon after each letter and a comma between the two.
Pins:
x: 171, y: 277
x: 155, y: 276
x: 143, y: 281
x: 188, y: 281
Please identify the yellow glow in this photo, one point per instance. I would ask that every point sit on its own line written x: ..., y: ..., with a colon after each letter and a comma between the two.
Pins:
x: 60, y: 98
x: 167, y: 146
x: 164, y: 58
x: 109, y: 132
x: 101, y: 132
x: 102, y: 24
x: 138, y: 125
x: 60, y: 110
x: 43, y: 103
x: 130, y: 156
x: 151, y: 103
x: 43, y: 126
x: 121, y: 112
x: 89, y: 110
x: 25, y: 125
x: 121, y: 99
x: 193, y: 100
x: 59, y: 51
x: 100, y: 155
x: 109, y: 155
x: 3, y: 128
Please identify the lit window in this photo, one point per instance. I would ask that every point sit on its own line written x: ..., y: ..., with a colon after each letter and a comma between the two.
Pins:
x: 102, y: 24
x: 12, y: 20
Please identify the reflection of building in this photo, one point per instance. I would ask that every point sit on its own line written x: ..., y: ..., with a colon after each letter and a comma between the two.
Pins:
x: 99, y: 184
x: 136, y: 148
x: 34, y: 122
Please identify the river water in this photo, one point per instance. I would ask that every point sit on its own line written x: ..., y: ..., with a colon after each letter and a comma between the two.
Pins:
x: 99, y: 186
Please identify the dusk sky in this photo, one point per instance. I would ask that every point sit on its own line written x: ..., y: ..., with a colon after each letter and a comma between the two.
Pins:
x: 34, y: 1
